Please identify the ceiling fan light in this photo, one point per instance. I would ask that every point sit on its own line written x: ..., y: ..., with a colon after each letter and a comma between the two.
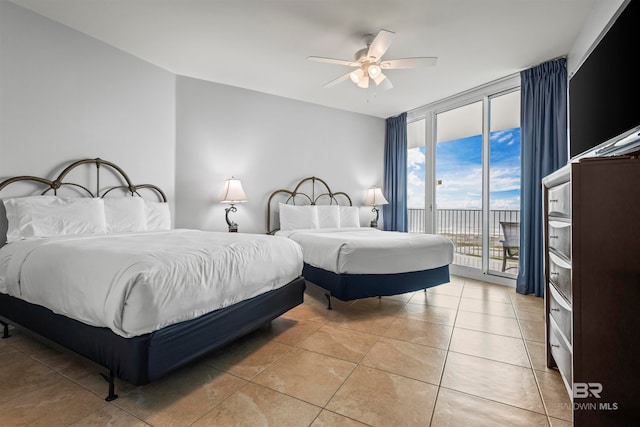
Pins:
x: 374, y: 70
x: 356, y: 76
x: 364, y: 82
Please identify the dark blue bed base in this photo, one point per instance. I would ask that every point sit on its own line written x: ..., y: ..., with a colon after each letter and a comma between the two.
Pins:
x: 347, y: 287
x: 145, y: 358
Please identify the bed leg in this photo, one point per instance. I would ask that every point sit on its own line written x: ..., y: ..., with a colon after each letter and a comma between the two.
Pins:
x: 5, y: 326
x: 328, y: 301
x: 111, y: 380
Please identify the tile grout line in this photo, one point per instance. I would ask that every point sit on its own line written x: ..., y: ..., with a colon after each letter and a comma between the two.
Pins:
x: 444, y: 365
x: 535, y: 377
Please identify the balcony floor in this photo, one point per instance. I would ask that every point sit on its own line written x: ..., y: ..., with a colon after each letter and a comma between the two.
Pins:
x: 494, y: 264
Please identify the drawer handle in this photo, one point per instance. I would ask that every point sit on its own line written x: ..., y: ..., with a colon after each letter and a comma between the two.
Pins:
x: 553, y: 200
x: 555, y: 345
x: 555, y: 273
x: 553, y: 237
x: 555, y: 309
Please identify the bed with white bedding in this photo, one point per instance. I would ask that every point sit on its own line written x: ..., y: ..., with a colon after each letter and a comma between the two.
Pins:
x: 140, y: 302
x: 137, y: 283
x: 349, y: 261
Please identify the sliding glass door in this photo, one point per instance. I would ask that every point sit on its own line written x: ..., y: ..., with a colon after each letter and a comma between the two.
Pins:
x: 504, y: 184
x: 464, y: 181
x: 458, y: 165
x: 417, y: 192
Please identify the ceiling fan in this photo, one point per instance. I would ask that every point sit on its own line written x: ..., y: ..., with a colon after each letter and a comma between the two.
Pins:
x: 369, y: 64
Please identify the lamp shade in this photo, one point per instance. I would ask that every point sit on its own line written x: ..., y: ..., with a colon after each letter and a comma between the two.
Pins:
x: 356, y: 75
x: 375, y: 197
x: 364, y: 82
x: 233, y: 192
x: 373, y: 71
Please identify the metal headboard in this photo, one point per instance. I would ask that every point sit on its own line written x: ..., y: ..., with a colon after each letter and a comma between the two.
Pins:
x: 309, y: 198
x: 59, y: 182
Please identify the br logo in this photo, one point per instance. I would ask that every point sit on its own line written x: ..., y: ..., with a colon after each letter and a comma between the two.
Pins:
x: 584, y: 390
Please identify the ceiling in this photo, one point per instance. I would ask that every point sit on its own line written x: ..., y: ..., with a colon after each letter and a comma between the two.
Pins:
x: 262, y: 45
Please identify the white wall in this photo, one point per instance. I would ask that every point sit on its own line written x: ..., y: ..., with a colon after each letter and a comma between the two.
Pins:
x: 600, y: 19
x: 65, y: 96
x: 269, y: 143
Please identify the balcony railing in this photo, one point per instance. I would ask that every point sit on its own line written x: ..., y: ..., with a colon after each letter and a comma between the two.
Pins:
x: 464, y: 227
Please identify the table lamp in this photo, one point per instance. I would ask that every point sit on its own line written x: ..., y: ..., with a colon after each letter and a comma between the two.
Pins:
x: 375, y: 198
x: 232, y: 193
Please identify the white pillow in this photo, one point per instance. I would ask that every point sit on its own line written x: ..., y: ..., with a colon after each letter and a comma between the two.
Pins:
x: 51, y: 216
x: 158, y: 215
x: 11, y: 207
x: 125, y: 214
x: 328, y: 216
x: 294, y: 217
x: 349, y: 216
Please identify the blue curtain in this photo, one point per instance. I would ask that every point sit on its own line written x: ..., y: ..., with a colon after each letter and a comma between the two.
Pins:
x: 543, y: 142
x: 395, y: 174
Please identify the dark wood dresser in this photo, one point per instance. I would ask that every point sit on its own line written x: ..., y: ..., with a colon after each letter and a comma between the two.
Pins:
x: 592, y: 292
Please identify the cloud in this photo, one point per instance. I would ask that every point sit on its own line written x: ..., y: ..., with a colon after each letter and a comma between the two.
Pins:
x: 462, y: 189
x: 415, y: 200
x: 415, y: 157
x: 502, y: 136
x: 505, y: 203
x: 415, y: 191
x: 459, y: 168
x: 457, y: 201
x: 504, y: 179
x: 414, y: 179
x: 467, y: 179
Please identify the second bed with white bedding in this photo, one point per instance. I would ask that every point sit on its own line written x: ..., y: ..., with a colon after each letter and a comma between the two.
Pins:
x: 360, y: 250
x: 349, y: 261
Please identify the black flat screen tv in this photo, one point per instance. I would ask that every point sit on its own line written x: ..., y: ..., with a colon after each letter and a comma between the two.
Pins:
x: 604, y: 92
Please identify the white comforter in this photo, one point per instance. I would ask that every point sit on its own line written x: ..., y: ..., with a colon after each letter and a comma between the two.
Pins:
x: 137, y: 283
x: 363, y: 250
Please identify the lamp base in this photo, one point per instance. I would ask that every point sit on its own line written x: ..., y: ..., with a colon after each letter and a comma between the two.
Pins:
x: 233, y: 226
x: 374, y: 222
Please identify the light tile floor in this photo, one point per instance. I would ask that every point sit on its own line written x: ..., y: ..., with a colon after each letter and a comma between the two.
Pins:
x: 466, y: 353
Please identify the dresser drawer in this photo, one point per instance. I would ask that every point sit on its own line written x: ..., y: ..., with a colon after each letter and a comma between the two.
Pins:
x: 559, y: 237
x: 560, y: 275
x: 560, y: 310
x: 559, y: 200
x: 561, y: 353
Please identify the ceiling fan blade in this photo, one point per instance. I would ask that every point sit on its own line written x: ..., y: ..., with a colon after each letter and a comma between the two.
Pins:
x: 333, y: 61
x: 380, y: 44
x: 383, y: 82
x: 409, y: 63
x: 338, y: 80
x: 386, y: 84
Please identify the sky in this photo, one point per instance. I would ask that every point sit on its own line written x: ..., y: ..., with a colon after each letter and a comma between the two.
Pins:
x: 459, y: 167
